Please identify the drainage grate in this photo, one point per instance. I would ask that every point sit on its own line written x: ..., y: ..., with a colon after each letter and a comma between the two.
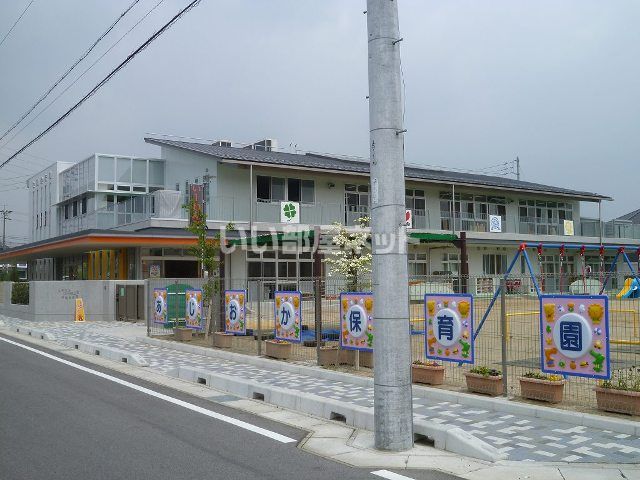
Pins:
x: 258, y: 396
x: 202, y: 381
x: 338, y: 417
x: 124, y: 359
x: 422, y: 440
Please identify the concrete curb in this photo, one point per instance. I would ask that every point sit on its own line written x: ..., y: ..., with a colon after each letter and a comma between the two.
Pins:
x: 114, y: 354
x: 493, y: 404
x: 445, y: 437
x: 34, y: 332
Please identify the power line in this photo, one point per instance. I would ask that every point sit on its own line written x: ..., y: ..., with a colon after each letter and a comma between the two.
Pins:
x: 15, y: 23
x: 64, y: 75
x: 82, y: 74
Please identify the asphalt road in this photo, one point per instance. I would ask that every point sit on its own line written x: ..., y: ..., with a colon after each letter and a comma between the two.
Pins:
x: 57, y: 422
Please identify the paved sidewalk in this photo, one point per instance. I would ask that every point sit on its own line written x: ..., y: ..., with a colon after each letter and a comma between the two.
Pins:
x: 521, y: 438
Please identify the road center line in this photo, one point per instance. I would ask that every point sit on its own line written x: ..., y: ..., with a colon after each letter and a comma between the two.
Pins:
x: 190, y: 406
x: 390, y: 475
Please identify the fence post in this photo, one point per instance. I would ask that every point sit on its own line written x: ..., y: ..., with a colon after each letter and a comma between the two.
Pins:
x: 258, y: 335
x: 317, y: 294
x: 503, y: 333
x: 147, y: 306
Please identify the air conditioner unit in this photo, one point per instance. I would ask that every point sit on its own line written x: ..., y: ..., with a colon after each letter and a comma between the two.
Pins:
x: 222, y: 143
x: 266, y: 145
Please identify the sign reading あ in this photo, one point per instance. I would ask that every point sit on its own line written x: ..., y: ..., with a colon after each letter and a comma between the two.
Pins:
x: 356, y: 321
x: 288, y: 316
x: 449, y: 327
x: 160, y: 305
x: 234, y: 311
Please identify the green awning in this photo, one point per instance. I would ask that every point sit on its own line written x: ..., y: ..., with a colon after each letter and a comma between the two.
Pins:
x: 273, y: 239
x: 433, y: 237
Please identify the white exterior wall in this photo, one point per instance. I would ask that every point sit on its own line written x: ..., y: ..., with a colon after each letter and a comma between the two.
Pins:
x: 44, y: 193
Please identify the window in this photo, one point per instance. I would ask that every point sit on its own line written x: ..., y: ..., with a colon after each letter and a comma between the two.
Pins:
x: 451, y: 263
x: 307, y: 191
x: 66, y: 211
x: 124, y: 170
x: 156, y: 173
x: 415, y: 201
x: 272, y: 189
x: 544, y: 217
x: 470, y: 212
x: 263, y: 185
x: 45, y: 219
x: 75, y: 208
x: 277, y: 189
x: 139, y: 174
x: 106, y: 169
x: 84, y: 205
x: 293, y: 189
x: 417, y: 264
x: 493, y: 264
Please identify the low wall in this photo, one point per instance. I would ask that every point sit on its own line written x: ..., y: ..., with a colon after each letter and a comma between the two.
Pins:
x: 56, y: 300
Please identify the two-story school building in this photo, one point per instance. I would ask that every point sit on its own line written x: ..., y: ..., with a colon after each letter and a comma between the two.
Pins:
x: 122, y: 217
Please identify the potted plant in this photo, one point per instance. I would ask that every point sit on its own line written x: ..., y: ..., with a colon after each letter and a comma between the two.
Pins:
x: 280, y: 349
x: 621, y: 394
x: 222, y: 339
x: 484, y: 380
x: 429, y: 372
x: 181, y: 333
x: 332, y: 355
x: 540, y: 386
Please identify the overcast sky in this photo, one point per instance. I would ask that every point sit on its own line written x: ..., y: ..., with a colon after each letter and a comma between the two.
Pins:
x: 554, y: 82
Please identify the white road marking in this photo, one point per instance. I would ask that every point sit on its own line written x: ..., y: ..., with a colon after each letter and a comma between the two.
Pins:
x: 190, y: 406
x: 390, y: 475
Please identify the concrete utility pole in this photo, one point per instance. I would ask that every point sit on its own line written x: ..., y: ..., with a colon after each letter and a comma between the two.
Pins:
x: 5, y: 216
x: 393, y: 415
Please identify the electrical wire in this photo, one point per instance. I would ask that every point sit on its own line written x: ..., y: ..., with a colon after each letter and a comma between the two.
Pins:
x: 104, y: 81
x: 65, y: 74
x: 15, y: 23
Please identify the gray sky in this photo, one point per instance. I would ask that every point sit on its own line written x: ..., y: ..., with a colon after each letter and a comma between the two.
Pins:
x: 554, y: 82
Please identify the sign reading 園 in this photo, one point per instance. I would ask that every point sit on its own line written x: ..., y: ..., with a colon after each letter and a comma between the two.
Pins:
x: 574, y: 335
x: 193, y: 313
x: 287, y: 310
x: 449, y: 327
x: 234, y: 311
x: 160, y: 305
x: 356, y: 321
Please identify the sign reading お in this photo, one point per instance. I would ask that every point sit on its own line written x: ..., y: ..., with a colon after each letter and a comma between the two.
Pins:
x: 449, y: 327
x: 193, y: 313
x: 160, y: 305
x: 574, y: 335
x: 356, y: 321
x: 288, y: 316
x: 234, y: 311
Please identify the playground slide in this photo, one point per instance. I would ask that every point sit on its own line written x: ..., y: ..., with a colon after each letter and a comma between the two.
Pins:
x: 630, y: 289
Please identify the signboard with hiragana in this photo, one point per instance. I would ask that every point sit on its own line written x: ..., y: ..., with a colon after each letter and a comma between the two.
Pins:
x: 234, y: 311
x: 160, y: 305
x: 287, y: 314
x: 574, y: 335
x: 356, y: 321
x: 193, y: 313
x: 449, y: 327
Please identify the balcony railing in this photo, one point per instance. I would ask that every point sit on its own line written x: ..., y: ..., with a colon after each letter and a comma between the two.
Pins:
x: 590, y: 227
x: 469, y: 223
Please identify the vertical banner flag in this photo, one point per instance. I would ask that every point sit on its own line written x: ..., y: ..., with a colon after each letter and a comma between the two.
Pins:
x: 449, y: 327
x: 356, y: 321
x: 234, y: 311
x: 287, y: 309
x: 160, y: 305
x: 193, y: 313
x: 574, y: 335
x: 79, y: 316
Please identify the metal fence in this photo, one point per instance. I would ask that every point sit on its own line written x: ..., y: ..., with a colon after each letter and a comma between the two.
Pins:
x: 508, y: 341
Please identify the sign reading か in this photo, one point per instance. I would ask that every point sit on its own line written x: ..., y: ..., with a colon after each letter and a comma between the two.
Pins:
x: 574, y: 335
x: 449, y: 327
x: 356, y: 321
x: 160, y: 305
x: 234, y: 311
x: 193, y: 314
x: 288, y: 316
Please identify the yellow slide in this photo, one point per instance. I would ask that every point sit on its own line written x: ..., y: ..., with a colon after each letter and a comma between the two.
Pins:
x: 630, y: 289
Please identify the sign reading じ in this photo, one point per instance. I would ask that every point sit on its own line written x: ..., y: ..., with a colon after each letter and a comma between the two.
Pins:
x: 193, y: 314
x: 449, y: 327
x: 160, y: 305
x: 288, y: 315
x: 574, y: 335
x: 234, y: 311
x: 356, y: 321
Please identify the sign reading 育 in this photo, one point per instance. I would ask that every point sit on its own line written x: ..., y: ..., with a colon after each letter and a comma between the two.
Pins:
x: 160, y: 305
x: 234, y: 311
x: 449, y: 327
x: 356, y: 321
x: 574, y: 335
x: 193, y: 313
x: 287, y: 312
x: 79, y: 315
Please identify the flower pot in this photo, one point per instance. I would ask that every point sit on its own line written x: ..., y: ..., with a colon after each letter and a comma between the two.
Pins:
x: 619, y: 401
x: 277, y: 350
x: 331, y: 355
x: 544, y: 390
x: 182, y: 334
x: 481, y: 384
x: 366, y: 359
x: 222, y: 339
x: 429, y: 374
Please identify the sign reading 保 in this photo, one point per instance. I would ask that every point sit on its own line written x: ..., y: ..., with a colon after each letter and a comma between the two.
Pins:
x: 287, y: 311
x: 356, y: 321
x: 449, y: 327
x: 234, y: 311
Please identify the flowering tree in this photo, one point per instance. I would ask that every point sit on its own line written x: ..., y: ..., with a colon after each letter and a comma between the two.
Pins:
x: 352, y: 259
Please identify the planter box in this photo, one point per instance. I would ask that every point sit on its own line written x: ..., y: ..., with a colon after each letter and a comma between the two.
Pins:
x: 280, y: 351
x: 329, y: 356
x: 222, y: 339
x: 183, y: 334
x: 428, y: 374
x: 544, y: 390
x: 619, y: 401
x: 487, y: 385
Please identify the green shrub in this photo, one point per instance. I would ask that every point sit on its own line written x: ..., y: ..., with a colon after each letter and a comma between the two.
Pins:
x: 20, y: 293
x: 627, y: 380
x: 486, y: 371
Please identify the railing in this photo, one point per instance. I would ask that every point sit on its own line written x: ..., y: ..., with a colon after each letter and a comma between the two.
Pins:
x: 535, y: 226
x: 469, y: 223
x: 590, y: 227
